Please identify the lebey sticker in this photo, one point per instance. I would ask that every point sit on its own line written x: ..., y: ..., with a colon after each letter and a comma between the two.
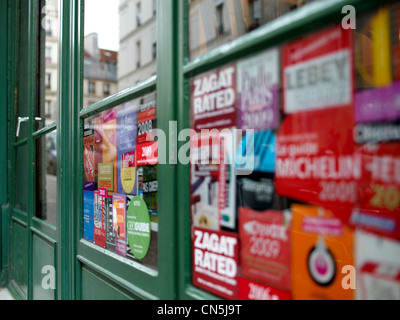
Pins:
x: 215, y: 262
x: 138, y: 227
x: 317, y: 71
x: 214, y: 99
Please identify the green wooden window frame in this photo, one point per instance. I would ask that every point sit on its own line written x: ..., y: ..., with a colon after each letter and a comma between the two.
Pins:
x: 172, y: 83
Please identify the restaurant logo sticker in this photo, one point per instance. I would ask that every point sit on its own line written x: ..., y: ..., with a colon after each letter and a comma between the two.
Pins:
x: 138, y: 227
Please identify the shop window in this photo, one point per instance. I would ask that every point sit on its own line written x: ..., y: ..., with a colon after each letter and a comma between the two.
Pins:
x: 120, y: 211
x: 294, y: 178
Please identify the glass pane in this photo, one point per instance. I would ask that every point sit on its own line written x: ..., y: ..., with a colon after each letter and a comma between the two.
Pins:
x: 21, y: 178
x: 120, y: 210
x: 213, y: 23
x: 120, y: 46
x: 295, y: 172
x: 46, y: 178
x: 48, y: 64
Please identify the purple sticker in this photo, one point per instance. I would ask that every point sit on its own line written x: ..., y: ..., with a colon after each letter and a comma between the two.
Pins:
x: 376, y: 105
x: 120, y: 247
x: 258, y: 85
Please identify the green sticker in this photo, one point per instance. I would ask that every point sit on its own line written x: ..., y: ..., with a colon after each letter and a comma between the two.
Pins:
x: 138, y: 226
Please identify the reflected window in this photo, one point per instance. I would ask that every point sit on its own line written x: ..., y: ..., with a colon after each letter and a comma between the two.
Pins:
x: 213, y: 23
x: 47, y: 80
x: 138, y: 14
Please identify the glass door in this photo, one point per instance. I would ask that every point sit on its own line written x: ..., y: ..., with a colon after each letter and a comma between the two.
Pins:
x: 33, y: 198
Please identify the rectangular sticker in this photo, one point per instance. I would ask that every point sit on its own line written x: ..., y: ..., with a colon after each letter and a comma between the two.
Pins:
x: 265, y: 246
x: 257, y: 89
x: 317, y: 71
x: 215, y: 262
x: 213, y: 99
x: 126, y: 162
x: 253, y: 290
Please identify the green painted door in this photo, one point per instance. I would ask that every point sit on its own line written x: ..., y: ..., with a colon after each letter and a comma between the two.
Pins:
x: 33, y: 159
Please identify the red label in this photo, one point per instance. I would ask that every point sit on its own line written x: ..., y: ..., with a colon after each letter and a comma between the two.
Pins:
x: 105, y: 184
x: 215, y: 262
x: 145, y: 125
x: 265, y: 246
x: 146, y: 154
x: 317, y: 71
x: 379, y: 190
x: 214, y: 99
x: 252, y: 290
x: 316, y: 162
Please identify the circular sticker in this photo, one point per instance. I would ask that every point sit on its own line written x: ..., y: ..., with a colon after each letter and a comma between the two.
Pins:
x: 138, y: 227
x: 321, y: 265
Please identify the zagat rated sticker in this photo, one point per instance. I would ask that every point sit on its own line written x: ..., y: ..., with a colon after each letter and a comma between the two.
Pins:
x: 214, y: 99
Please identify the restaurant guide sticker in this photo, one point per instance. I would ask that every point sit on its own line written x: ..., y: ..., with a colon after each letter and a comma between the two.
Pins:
x: 138, y: 226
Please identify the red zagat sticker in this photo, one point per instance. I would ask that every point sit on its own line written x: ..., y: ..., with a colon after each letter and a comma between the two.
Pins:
x: 215, y: 262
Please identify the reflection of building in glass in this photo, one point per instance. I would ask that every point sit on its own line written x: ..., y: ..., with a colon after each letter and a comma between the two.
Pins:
x: 50, y: 26
x: 100, y: 71
x: 215, y: 22
x: 137, y: 55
